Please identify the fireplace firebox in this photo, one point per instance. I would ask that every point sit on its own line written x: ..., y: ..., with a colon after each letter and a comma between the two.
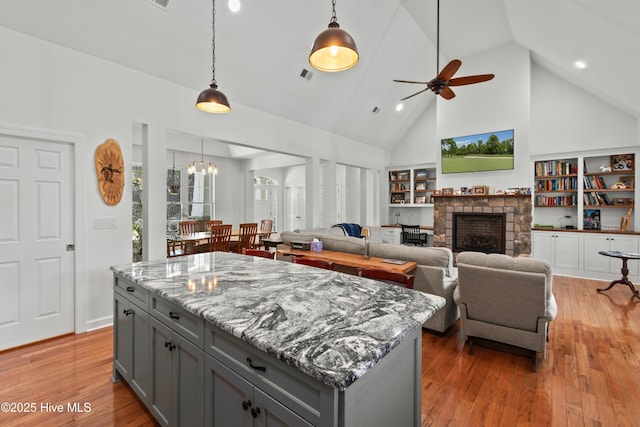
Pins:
x: 480, y: 232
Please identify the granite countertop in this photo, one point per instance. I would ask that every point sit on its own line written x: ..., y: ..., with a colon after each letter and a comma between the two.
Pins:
x: 329, y: 325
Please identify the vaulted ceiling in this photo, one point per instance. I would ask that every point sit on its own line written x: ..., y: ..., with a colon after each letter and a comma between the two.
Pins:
x: 261, y: 50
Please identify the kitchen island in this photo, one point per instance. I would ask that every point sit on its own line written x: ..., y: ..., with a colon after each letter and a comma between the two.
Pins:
x: 226, y: 339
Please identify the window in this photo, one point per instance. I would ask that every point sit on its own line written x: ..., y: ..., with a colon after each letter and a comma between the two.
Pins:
x: 136, y: 212
x: 197, y: 202
x: 174, y: 204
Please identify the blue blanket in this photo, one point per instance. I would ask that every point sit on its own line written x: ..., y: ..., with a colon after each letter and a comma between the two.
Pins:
x: 353, y: 230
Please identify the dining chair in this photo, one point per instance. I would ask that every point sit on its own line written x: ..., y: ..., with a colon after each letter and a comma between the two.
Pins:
x: 220, y: 240
x: 247, y: 237
x: 187, y: 227
x: 209, y: 224
x: 174, y: 248
x: 327, y: 265
x: 412, y: 234
x: 264, y: 232
x: 259, y: 253
x: 393, y: 277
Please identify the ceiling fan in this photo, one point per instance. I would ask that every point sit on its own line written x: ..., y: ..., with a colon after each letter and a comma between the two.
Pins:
x: 441, y: 84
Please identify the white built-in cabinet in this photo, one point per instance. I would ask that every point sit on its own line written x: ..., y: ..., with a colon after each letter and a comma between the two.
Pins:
x: 560, y: 249
x: 593, y: 261
x: 577, y: 253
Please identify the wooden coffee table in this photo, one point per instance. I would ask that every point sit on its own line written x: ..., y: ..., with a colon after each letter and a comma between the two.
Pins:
x: 353, y: 260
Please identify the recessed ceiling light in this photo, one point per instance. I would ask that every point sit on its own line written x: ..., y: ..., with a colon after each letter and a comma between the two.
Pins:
x: 234, y: 5
x: 399, y: 107
x: 580, y: 64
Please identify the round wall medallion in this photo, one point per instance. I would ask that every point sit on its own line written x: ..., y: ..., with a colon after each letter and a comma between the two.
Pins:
x: 110, y: 171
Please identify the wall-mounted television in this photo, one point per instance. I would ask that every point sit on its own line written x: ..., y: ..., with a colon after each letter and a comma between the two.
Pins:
x: 481, y: 152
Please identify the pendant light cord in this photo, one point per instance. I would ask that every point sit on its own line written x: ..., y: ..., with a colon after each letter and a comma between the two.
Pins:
x: 213, y: 42
x: 438, y: 40
x: 333, y: 20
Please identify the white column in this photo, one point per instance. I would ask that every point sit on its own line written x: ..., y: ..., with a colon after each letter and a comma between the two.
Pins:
x: 154, y: 202
x: 312, y: 192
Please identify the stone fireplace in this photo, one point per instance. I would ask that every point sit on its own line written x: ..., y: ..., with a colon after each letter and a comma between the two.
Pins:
x: 454, y: 211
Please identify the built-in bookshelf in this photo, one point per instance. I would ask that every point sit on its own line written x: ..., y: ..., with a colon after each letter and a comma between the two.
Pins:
x: 588, y: 193
x: 609, y: 182
x: 412, y: 186
x: 556, y: 183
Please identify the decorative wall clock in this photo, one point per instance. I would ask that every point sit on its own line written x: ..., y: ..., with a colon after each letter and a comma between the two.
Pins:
x: 110, y: 171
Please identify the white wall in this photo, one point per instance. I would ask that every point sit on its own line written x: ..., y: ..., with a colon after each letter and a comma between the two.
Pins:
x: 502, y: 103
x: 565, y: 118
x: 48, y: 87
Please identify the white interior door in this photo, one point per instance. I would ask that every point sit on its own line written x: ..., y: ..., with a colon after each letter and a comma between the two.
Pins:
x: 36, y: 225
x: 295, y: 207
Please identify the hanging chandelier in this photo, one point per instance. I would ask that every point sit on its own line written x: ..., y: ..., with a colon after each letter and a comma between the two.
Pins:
x: 202, y: 167
x: 173, y: 186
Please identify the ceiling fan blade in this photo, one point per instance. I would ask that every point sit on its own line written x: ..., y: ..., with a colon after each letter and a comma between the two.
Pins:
x: 417, y: 93
x: 447, y: 93
x: 410, y: 81
x: 449, y: 70
x: 468, y: 80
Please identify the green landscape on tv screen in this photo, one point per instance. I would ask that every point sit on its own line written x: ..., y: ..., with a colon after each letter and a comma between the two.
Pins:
x: 475, y: 153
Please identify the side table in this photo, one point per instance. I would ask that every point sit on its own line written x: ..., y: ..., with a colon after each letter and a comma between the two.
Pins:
x: 625, y: 271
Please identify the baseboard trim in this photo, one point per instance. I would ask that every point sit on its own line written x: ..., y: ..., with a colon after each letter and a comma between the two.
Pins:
x: 103, y: 322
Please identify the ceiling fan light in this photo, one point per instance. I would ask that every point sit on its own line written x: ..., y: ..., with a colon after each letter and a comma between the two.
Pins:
x: 334, y: 50
x: 212, y: 100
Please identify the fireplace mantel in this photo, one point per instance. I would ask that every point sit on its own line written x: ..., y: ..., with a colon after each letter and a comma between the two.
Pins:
x: 516, y: 207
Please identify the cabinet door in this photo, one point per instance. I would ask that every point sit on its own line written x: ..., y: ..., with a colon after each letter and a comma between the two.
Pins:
x: 228, y: 397
x: 566, y: 253
x: 122, y: 336
x: 391, y: 235
x: 161, y: 372
x: 593, y: 261
x: 140, y: 378
x: 627, y: 244
x: 270, y: 413
x: 543, y: 246
x: 188, y: 382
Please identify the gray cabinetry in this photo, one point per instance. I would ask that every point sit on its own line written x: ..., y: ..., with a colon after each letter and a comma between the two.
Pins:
x: 198, y: 374
x: 131, y: 340
x: 232, y: 400
x: 177, y: 389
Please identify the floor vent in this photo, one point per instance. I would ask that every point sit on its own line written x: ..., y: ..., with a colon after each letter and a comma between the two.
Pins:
x: 306, y: 75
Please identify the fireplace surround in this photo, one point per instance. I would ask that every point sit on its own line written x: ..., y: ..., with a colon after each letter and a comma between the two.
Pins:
x: 515, y: 208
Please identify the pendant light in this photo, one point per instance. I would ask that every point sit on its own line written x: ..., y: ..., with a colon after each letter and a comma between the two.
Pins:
x: 173, y: 186
x: 334, y: 49
x: 212, y: 100
x: 205, y: 167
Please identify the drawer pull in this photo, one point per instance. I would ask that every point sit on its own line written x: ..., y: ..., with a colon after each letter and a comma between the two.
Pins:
x: 246, y: 404
x: 131, y: 289
x: 169, y: 345
x: 127, y: 312
x: 174, y: 316
x: 255, y: 412
x: 257, y: 368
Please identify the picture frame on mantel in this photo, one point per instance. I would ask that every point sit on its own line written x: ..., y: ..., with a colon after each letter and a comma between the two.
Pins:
x: 479, y: 190
x: 447, y: 191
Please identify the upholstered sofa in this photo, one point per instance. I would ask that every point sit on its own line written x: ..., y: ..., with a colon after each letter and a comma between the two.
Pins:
x: 506, y: 300
x: 434, y: 274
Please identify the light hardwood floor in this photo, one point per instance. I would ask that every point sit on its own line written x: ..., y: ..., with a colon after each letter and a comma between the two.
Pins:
x: 591, y: 375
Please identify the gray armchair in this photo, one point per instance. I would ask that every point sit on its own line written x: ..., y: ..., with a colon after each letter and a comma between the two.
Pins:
x: 505, y: 300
